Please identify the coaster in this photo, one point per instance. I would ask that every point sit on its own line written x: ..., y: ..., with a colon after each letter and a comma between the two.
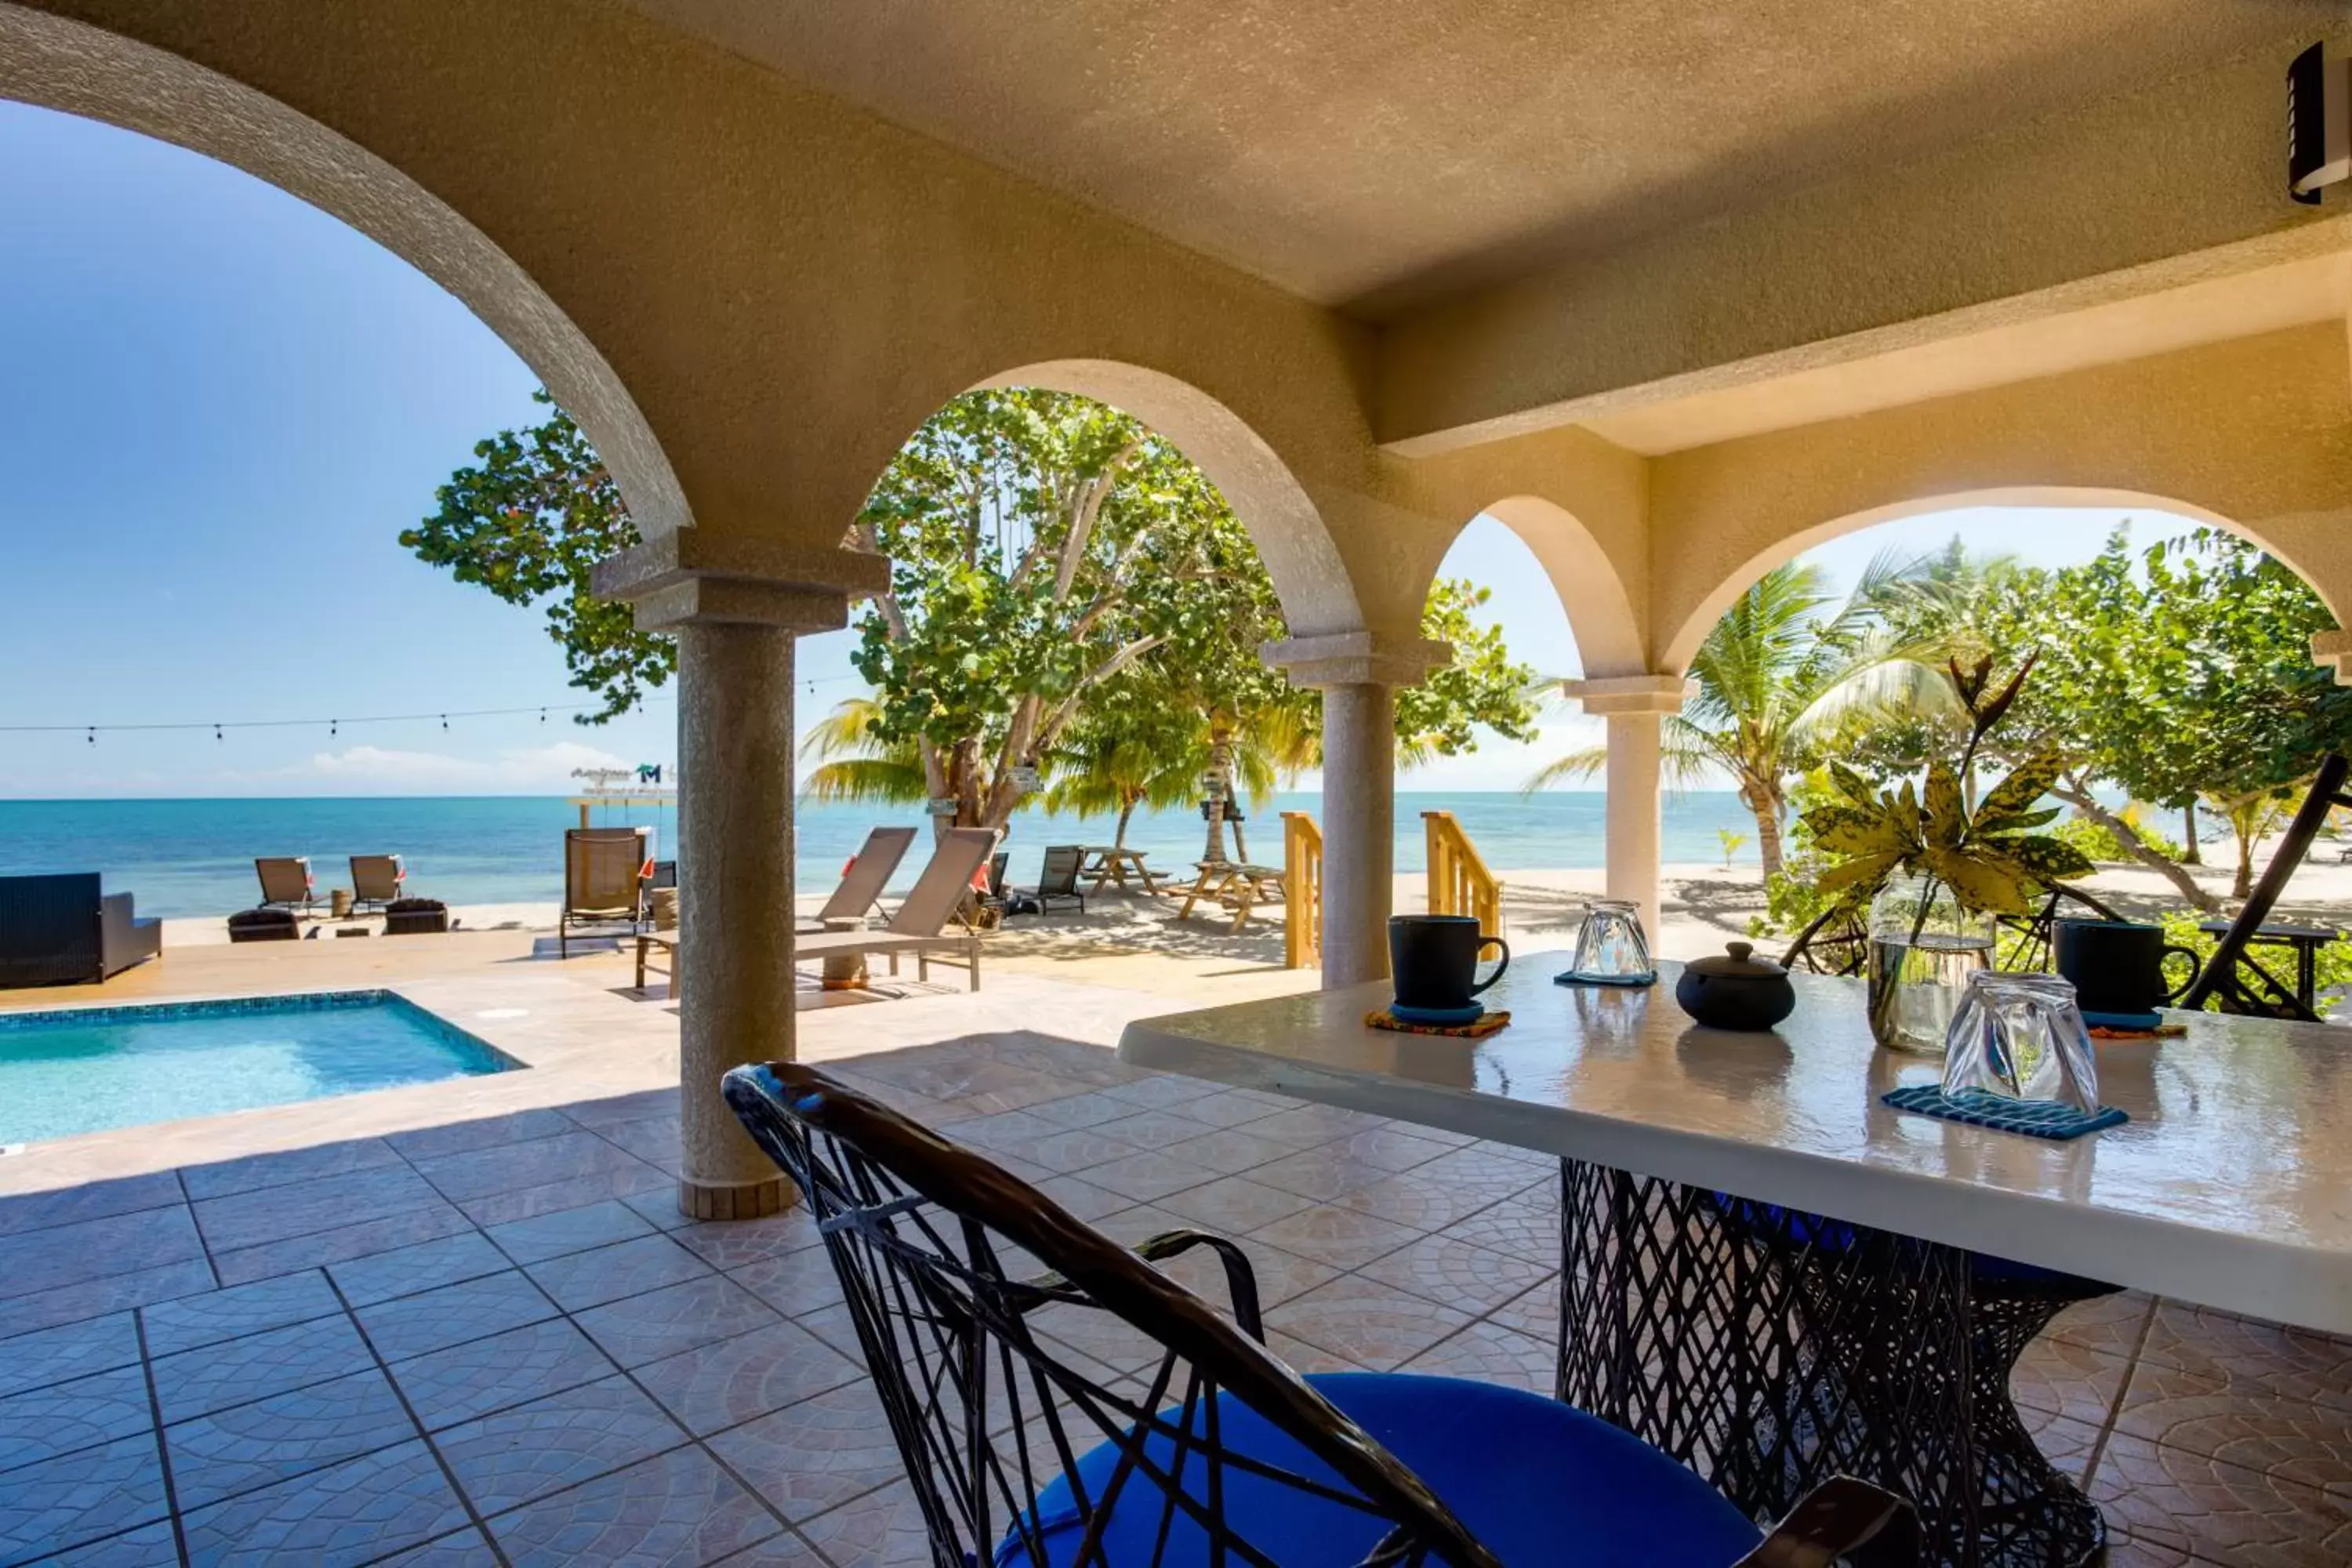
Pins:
x: 1487, y: 1023
x: 1622, y: 982
x: 2033, y: 1118
x: 2137, y: 1023
x: 1439, y: 1017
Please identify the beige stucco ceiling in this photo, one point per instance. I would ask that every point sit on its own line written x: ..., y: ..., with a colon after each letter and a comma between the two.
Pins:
x: 1380, y: 153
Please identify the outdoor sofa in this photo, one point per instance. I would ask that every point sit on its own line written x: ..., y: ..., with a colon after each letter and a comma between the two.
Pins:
x: 61, y: 931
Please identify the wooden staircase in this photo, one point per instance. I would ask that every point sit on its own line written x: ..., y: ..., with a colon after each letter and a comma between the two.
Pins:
x: 1302, y: 890
x: 1459, y: 882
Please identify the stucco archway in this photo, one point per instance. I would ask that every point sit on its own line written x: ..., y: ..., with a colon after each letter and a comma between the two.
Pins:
x: 1317, y: 593
x: 1682, y: 644
x: 1599, y: 611
x: 51, y: 62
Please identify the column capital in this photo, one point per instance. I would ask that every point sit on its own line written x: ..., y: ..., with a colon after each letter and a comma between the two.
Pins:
x: 1357, y: 658
x: 2334, y: 650
x: 1630, y: 693
x: 691, y: 577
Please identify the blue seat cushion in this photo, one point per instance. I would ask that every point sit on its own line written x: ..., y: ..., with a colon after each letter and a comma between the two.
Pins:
x: 1837, y: 1235
x: 1535, y: 1480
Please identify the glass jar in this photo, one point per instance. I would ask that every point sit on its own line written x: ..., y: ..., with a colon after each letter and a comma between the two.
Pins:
x: 1922, y: 948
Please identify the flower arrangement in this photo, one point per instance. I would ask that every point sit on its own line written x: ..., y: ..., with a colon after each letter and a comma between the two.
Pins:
x: 1989, y: 858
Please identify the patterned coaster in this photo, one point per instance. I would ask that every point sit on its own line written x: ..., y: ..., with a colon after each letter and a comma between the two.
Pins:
x: 1381, y: 1018
x: 2033, y: 1118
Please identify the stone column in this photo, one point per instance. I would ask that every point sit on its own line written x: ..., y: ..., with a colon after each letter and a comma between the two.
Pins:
x: 734, y: 605
x: 1359, y: 673
x: 1633, y: 705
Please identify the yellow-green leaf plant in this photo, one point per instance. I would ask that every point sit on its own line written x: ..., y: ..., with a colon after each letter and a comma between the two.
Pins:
x: 1989, y: 857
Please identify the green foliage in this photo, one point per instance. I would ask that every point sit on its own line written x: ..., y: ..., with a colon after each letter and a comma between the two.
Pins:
x: 528, y: 522
x: 1481, y: 687
x: 1731, y: 842
x: 2333, y: 967
x: 2096, y: 841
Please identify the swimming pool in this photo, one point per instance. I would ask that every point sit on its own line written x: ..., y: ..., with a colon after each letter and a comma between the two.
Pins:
x: 91, y: 1068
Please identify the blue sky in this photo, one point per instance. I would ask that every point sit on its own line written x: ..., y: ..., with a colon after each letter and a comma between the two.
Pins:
x: 219, y: 408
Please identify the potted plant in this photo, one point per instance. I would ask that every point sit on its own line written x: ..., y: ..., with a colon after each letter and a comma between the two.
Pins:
x: 1934, y: 874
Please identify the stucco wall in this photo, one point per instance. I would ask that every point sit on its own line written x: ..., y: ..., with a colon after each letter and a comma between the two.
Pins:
x: 2257, y: 434
x: 2192, y: 164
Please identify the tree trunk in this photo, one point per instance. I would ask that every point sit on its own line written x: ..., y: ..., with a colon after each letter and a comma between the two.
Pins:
x: 2082, y: 800
x: 2242, y: 884
x: 1767, y: 836
x: 1221, y: 769
x: 1126, y: 812
x: 2189, y: 853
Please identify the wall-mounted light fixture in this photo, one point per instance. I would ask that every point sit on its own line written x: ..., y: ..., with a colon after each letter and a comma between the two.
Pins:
x: 2318, y: 124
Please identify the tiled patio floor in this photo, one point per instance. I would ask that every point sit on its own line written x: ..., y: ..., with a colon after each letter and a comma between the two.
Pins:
x: 373, y: 1351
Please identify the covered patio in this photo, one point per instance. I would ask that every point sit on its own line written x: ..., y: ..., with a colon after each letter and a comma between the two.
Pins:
x: 588, y: 1377
x: 1675, y: 292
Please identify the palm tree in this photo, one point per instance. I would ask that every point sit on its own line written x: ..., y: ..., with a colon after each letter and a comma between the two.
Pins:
x: 1781, y: 667
x: 853, y: 765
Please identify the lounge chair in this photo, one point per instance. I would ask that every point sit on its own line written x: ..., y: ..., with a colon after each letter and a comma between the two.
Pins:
x: 605, y: 875
x: 286, y: 883
x: 863, y: 880
x: 1058, y: 878
x: 918, y: 926
x: 59, y: 930
x: 375, y: 881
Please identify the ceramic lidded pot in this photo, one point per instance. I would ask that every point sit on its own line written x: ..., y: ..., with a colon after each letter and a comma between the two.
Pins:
x: 1736, y: 990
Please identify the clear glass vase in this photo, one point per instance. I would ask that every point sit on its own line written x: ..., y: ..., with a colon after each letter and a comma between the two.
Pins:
x: 1922, y: 948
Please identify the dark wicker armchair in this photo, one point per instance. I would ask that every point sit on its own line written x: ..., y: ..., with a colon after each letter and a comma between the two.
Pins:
x: 967, y: 1286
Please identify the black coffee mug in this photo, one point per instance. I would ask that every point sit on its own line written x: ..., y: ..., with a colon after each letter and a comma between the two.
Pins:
x: 1433, y: 960
x: 2117, y: 966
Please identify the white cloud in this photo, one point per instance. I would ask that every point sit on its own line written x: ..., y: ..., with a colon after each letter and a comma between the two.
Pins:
x: 538, y: 770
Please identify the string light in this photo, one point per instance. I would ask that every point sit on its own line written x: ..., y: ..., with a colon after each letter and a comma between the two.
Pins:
x: 220, y: 728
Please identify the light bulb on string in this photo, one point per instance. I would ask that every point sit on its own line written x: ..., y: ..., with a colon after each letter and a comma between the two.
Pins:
x: 335, y: 728
x: 216, y: 733
x: 444, y: 720
x: 93, y: 736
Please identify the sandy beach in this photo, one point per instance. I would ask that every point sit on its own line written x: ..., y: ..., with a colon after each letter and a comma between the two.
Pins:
x: 1705, y: 906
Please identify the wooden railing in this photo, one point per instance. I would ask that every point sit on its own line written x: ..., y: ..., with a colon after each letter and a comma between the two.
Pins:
x: 1302, y: 890
x: 1459, y: 882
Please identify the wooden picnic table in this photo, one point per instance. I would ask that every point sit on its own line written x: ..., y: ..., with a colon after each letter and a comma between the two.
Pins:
x: 1112, y: 862
x: 1237, y: 884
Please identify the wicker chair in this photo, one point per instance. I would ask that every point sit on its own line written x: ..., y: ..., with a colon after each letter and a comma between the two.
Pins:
x: 1023, y: 1454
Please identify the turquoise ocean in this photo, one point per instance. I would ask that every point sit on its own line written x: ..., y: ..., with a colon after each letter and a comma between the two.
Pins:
x: 189, y: 857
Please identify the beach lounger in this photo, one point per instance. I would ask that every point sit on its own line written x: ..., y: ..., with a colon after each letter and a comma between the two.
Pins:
x: 605, y: 875
x: 286, y: 882
x: 375, y: 881
x: 1058, y: 878
x: 863, y: 881
x: 920, y: 926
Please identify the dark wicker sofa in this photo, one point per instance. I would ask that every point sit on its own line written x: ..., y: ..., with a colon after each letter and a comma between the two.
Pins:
x: 59, y: 930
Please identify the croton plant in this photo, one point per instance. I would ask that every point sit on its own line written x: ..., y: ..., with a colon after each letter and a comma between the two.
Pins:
x: 1990, y: 859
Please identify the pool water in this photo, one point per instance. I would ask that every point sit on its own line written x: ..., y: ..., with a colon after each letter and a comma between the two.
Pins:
x: 92, y: 1068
